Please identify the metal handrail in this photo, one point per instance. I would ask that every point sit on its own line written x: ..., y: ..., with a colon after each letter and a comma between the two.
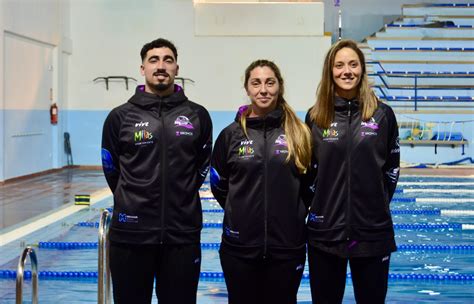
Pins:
x: 385, y: 95
x: 28, y: 251
x: 107, y: 78
x: 183, y: 81
x: 104, y: 280
x: 387, y: 86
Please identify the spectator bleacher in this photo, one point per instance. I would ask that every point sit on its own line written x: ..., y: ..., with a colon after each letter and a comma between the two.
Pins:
x: 424, y: 61
x: 426, y: 57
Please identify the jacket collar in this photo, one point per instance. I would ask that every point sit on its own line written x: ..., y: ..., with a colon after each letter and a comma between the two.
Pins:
x: 342, y: 104
x: 145, y: 99
x: 271, y: 120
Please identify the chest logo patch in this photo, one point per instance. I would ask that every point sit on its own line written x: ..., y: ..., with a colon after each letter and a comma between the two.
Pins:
x: 143, y: 137
x: 245, y: 149
x: 313, y: 217
x: 141, y: 124
x: 331, y: 134
x: 281, y: 145
x: 369, y: 128
x: 183, y: 121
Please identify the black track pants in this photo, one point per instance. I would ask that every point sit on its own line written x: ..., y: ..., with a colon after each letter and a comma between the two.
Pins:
x: 262, y: 281
x: 135, y: 267
x: 328, y: 277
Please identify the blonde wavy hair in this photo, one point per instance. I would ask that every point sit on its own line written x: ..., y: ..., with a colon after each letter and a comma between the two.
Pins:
x: 298, y: 135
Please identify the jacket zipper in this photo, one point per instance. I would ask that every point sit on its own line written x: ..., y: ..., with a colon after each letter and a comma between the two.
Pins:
x: 265, y: 189
x: 163, y: 172
x: 349, y: 147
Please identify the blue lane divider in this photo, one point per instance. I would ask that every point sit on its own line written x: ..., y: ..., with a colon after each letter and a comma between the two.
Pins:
x: 93, y: 245
x: 430, y: 200
x: 70, y: 275
x: 67, y: 245
x: 404, y: 247
x: 434, y: 211
x: 213, y: 210
x: 454, y: 226
x: 212, y: 225
x: 403, y: 200
x: 208, y: 198
x: 429, y: 277
x: 210, y: 245
x: 88, y: 224
x: 51, y: 274
x: 417, y: 211
x: 406, y: 211
x: 96, y: 225
x: 412, y: 247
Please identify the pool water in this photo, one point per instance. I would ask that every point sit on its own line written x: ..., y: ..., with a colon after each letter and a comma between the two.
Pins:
x: 421, y: 260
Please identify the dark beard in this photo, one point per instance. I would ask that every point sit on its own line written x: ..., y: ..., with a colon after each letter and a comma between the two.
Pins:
x: 162, y: 87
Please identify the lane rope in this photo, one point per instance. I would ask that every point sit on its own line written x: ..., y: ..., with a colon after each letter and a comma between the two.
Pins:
x: 402, y: 247
x: 74, y: 275
x: 435, y: 184
x: 424, y: 190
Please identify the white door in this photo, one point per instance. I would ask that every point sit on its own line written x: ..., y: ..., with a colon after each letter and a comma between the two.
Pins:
x: 28, y: 81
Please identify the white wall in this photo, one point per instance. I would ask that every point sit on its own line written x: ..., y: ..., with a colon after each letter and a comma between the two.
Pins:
x: 2, y: 102
x: 38, y: 20
x: 41, y: 27
x: 110, y: 41
x: 259, y: 19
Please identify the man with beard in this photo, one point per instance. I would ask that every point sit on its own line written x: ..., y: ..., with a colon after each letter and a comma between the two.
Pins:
x: 155, y: 155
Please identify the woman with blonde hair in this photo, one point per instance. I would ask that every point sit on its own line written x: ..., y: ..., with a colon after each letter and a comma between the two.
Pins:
x: 356, y: 159
x: 256, y: 176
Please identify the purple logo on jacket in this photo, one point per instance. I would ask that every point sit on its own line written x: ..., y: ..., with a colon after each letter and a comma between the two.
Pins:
x: 372, y: 124
x: 183, y: 121
x: 281, y: 140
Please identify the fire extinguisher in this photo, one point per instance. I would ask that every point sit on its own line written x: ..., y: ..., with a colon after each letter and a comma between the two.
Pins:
x: 53, y: 113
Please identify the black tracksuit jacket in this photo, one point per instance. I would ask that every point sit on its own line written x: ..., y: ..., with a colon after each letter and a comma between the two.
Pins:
x: 356, y: 173
x: 259, y: 191
x: 155, y: 155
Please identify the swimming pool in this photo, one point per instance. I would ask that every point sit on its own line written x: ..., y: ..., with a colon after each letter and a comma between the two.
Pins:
x: 434, y: 263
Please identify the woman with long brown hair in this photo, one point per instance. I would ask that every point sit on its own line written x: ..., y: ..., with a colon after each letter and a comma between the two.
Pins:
x: 256, y: 176
x: 356, y: 159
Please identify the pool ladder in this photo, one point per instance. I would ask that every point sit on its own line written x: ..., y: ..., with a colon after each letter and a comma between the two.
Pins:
x: 103, y: 282
x: 104, y: 290
x: 28, y: 251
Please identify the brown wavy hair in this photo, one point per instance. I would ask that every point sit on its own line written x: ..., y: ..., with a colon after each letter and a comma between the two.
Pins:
x: 322, y: 113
